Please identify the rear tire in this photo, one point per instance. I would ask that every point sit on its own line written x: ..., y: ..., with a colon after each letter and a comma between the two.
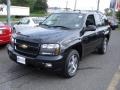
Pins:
x: 71, y: 64
x: 103, y: 48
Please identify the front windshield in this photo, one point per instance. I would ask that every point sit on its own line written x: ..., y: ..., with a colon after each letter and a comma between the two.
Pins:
x: 69, y: 20
x: 38, y: 20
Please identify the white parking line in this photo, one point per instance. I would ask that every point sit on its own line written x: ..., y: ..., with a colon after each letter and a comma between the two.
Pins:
x: 115, y: 80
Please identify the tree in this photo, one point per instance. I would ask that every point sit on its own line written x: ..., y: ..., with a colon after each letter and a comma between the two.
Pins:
x: 31, y: 4
x: 108, y: 12
x: 118, y: 15
x: 40, y: 5
x: 3, y: 1
x: 20, y: 2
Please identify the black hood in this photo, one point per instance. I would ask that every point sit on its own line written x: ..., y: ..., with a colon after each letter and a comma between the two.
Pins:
x: 45, y: 35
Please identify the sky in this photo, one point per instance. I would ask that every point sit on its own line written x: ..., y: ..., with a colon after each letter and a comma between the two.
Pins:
x: 81, y: 4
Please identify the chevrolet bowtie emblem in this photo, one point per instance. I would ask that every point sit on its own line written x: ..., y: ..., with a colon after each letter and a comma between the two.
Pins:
x: 24, y: 46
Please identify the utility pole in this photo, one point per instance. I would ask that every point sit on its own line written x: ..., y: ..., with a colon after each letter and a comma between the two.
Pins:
x: 75, y: 5
x: 8, y: 12
x: 66, y: 4
x: 98, y: 5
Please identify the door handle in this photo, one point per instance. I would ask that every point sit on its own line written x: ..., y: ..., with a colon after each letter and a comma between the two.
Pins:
x: 85, y: 38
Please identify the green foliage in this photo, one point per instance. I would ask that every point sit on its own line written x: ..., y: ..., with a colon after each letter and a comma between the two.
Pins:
x: 31, y: 4
x: 108, y: 12
x: 20, y: 2
x: 40, y: 5
x: 38, y: 14
x: 3, y: 1
x: 118, y: 15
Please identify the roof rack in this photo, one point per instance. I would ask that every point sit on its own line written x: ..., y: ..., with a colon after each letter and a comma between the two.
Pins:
x: 87, y: 10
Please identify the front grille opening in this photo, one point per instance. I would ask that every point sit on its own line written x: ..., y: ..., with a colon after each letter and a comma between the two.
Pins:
x: 31, y: 50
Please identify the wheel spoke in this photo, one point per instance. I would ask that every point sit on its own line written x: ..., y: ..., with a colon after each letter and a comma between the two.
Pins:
x: 73, y: 57
x: 72, y: 67
x: 70, y: 70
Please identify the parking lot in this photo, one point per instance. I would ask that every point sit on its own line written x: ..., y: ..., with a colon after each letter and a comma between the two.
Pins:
x: 96, y: 72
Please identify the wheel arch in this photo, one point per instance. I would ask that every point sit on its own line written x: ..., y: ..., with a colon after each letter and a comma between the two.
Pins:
x: 77, y: 47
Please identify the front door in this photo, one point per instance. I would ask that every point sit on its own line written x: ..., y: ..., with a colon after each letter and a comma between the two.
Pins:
x: 89, y: 38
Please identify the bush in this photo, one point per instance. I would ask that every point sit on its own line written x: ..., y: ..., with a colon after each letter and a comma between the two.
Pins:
x: 118, y: 15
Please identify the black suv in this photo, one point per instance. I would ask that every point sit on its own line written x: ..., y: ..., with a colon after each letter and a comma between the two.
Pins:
x: 61, y: 41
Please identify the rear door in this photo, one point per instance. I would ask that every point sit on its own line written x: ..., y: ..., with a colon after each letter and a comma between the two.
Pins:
x: 102, y: 28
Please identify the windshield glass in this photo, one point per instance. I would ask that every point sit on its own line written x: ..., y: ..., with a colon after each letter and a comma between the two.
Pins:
x: 69, y: 20
x: 38, y: 20
x: 24, y: 21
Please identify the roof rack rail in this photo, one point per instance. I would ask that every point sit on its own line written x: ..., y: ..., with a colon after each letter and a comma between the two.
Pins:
x: 87, y: 10
x: 76, y: 10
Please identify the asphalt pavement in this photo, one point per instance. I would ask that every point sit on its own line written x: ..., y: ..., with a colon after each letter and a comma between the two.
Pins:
x: 96, y: 72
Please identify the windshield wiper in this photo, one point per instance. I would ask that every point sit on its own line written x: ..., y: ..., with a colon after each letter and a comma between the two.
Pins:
x: 46, y: 25
x: 62, y: 27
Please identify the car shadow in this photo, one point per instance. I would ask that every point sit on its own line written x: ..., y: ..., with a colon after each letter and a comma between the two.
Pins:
x: 2, y: 47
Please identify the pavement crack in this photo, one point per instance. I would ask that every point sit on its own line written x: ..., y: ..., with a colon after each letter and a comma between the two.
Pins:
x: 13, y: 76
x: 12, y: 79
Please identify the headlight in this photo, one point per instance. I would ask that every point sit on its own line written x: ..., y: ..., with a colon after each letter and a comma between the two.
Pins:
x: 13, y: 41
x: 50, y: 49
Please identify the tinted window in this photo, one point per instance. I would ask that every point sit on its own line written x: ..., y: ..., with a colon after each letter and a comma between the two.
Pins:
x: 24, y: 21
x: 90, y: 20
x: 104, y: 20
x: 98, y: 20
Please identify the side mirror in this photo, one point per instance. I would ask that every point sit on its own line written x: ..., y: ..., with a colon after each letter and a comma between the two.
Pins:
x: 90, y: 28
x: 40, y: 23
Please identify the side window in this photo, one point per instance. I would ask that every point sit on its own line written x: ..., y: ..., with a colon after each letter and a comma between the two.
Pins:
x: 90, y: 20
x: 99, y: 21
x: 104, y: 20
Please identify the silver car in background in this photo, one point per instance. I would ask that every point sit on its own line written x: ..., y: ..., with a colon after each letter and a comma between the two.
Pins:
x: 27, y: 22
x: 113, y: 22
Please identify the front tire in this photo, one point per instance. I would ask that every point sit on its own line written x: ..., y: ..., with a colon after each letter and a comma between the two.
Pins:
x: 71, y: 64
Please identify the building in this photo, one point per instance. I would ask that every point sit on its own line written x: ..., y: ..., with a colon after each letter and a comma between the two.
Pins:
x: 14, y: 10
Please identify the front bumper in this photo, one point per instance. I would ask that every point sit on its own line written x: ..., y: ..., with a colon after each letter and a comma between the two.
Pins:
x: 41, y: 61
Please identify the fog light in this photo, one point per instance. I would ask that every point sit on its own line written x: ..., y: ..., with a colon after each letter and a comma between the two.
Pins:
x: 48, y: 65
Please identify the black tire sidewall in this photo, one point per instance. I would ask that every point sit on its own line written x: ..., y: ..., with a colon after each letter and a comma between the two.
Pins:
x: 101, y: 49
